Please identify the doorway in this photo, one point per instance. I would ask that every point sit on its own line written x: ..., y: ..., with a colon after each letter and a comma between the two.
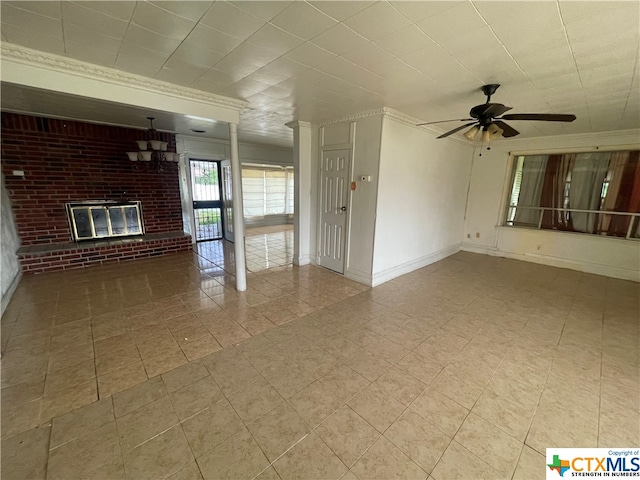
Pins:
x: 207, y: 200
x: 334, y: 209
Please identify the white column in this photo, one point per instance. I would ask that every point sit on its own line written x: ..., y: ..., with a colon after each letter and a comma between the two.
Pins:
x: 302, y: 191
x: 238, y: 211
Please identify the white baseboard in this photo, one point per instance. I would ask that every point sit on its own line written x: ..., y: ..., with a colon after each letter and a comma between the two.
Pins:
x: 302, y: 260
x: 393, y: 272
x: 358, y: 276
x: 6, y: 298
x: 586, y: 267
x: 469, y: 247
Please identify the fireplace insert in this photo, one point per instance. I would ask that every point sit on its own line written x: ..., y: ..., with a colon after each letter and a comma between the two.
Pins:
x: 95, y: 219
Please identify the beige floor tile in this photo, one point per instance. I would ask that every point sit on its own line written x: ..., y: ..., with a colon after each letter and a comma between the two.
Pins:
x: 488, y: 442
x: 617, y: 425
x: 458, y: 463
x: 185, y: 375
x: 278, y: 430
x: 69, y: 377
x: 377, y: 407
x: 211, y: 426
x: 502, y: 412
x: 145, y: 422
x: 440, y: 411
x: 137, y: 396
x: 368, y: 365
x: 234, y: 376
x: 195, y: 397
x: 400, y: 385
x: 190, y: 472
x: 317, y: 362
x: 21, y: 418
x: 315, y: 403
x: 289, y: 380
x: 323, y: 397
x: 255, y: 401
x: 25, y: 392
x: 164, y: 362
x: 458, y: 387
x: 200, y: 347
x: 268, y: 474
x: 25, y: 455
x: 419, y: 367
x: 347, y: 434
x: 121, y: 379
x: 160, y: 457
x: 63, y: 401
x: 488, y: 329
x: 237, y: 458
x: 530, y: 465
x: 81, y: 456
x: 385, y: 461
x: 69, y: 357
x: 116, y: 359
x: 553, y: 428
x: 310, y: 458
x: 418, y: 439
x: 83, y: 420
x: 441, y: 347
x: 111, y: 470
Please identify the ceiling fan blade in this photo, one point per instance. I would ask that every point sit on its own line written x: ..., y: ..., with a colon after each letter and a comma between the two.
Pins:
x: 495, y: 109
x: 445, y: 121
x: 545, y: 117
x: 451, y: 132
x: 508, y: 131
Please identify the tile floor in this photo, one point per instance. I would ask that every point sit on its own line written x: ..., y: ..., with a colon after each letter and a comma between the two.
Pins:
x: 468, y: 368
x: 266, y: 247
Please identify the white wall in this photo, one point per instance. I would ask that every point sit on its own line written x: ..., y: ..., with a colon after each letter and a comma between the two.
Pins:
x: 490, y: 179
x: 422, y: 192
x: 10, y: 242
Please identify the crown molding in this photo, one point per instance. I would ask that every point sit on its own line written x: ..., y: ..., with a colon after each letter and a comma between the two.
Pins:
x: 34, y: 58
x: 354, y: 117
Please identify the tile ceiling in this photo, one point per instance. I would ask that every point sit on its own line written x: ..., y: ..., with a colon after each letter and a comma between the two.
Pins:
x: 320, y: 60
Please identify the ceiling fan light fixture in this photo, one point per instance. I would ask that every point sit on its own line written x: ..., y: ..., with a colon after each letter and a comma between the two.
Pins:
x: 491, y: 132
x: 472, y: 133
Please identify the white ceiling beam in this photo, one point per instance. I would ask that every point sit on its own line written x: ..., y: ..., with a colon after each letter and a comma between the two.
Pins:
x: 31, y: 68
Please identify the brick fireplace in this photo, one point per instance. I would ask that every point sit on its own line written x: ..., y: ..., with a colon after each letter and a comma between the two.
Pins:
x: 67, y: 162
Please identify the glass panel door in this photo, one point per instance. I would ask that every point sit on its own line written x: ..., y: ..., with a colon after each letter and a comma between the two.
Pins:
x: 207, y: 203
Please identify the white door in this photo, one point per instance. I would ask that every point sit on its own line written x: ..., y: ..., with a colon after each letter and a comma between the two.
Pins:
x: 333, y: 218
x: 227, y: 199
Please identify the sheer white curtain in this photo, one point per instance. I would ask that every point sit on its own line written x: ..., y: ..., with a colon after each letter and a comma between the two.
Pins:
x: 585, y: 191
x: 533, y: 172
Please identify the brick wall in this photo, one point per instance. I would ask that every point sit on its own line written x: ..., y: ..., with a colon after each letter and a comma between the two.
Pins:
x: 67, y: 161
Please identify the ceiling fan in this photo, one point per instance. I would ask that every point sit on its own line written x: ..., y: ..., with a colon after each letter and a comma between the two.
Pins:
x: 488, y: 123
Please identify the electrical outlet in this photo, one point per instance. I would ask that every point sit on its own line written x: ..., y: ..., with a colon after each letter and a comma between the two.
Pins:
x: 468, y: 235
x: 477, y: 234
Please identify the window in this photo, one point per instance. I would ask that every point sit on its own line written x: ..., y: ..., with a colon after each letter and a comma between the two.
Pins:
x: 267, y: 190
x: 591, y: 192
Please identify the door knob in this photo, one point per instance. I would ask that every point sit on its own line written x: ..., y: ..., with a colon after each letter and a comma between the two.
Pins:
x: 344, y: 209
